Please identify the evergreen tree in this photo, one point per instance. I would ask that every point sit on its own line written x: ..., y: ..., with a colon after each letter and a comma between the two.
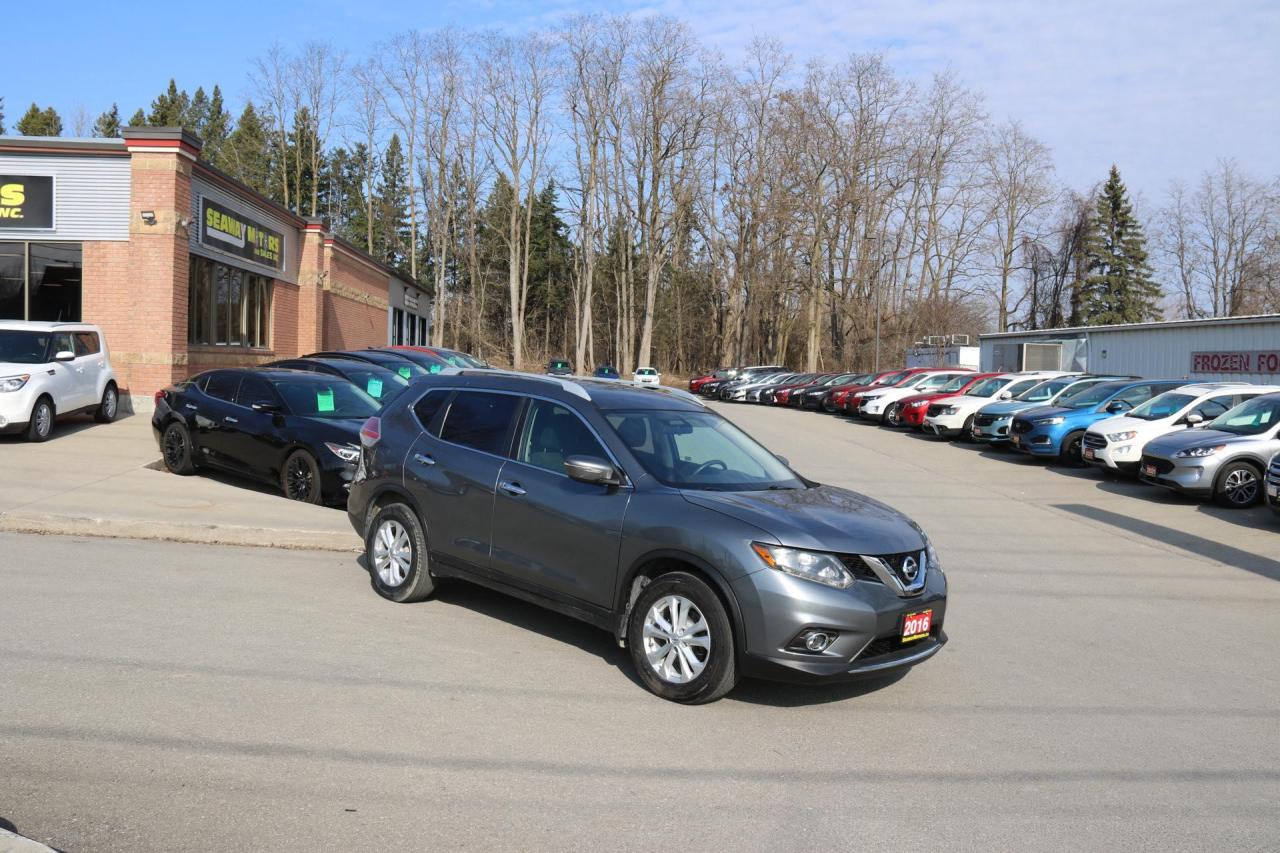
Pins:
x: 138, y: 119
x: 170, y: 108
x: 197, y: 113
x: 246, y: 156
x: 108, y: 124
x: 1118, y: 286
x: 215, y: 130
x: 391, y: 234
x: 1, y: 116
x: 38, y: 122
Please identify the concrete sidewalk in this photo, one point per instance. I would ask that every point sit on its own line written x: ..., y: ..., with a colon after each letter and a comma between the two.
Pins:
x: 107, y: 480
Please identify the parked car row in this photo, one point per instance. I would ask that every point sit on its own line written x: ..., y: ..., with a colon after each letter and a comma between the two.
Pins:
x: 1218, y: 441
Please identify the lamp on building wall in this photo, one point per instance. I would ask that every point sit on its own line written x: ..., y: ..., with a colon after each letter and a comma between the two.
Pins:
x: 148, y: 216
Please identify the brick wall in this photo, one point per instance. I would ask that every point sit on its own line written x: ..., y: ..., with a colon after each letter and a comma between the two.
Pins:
x: 355, y: 301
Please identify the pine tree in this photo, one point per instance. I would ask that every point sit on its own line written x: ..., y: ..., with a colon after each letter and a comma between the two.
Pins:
x: 108, y: 124
x: 216, y: 130
x: 1, y: 116
x: 1118, y: 286
x: 197, y: 113
x: 246, y: 155
x: 391, y: 234
x: 138, y: 119
x: 38, y: 122
x: 170, y: 108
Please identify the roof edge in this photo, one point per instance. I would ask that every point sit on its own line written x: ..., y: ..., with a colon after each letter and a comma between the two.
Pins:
x: 1155, y: 324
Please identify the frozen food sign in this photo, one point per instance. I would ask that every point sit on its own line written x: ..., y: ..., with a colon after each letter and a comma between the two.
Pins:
x: 1236, y: 361
x: 236, y: 233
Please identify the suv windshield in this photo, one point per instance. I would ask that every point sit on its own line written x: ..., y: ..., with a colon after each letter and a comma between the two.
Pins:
x: 1162, y: 406
x: 1044, y: 391
x: 1252, y: 418
x: 699, y: 450
x: 1076, y: 390
x: 1095, y: 395
x: 559, y: 365
x: 957, y: 383
x: 987, y: 387
x: 645, y: 371
x: 339, y: 399
x: 18, y: 346
x: 931, y: 383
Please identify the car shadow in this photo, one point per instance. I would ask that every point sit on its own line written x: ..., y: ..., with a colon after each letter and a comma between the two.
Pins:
x: 776, y: 694
x: 9, y: 826
x: 247, y: 483
x: 65, y: 428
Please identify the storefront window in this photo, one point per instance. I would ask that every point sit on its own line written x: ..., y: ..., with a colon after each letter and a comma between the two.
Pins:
x: 397, y: 327
x: 228, y: 306
x: 40, y: 281
x: 422, y: 330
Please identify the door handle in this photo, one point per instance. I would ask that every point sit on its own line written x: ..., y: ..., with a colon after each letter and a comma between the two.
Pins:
x: 512, y: 489
x: 423, y: 459
x: 231, y: 420
x: 192, y: 406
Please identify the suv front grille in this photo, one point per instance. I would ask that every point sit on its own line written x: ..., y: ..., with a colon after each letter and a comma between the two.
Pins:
x: 882, y: 646
x: 1162, y: 466
x: 984, y: 420
x: 1095, y: 440
x: 1273, y: 472
x: 1021, y: 425
x: 858, y: 568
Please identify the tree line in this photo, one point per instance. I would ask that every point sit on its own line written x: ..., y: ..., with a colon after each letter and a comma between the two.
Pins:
x: 613, y: 191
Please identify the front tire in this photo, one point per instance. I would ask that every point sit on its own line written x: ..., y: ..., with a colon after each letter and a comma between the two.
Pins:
x: 1072, y: 454
x: 40, y: 427
x: 109, y: 407
x: 1239, y: 486
x: 681, y: 641
x: 395, y: 547
x: 300, y: 478
x: 892, y: 415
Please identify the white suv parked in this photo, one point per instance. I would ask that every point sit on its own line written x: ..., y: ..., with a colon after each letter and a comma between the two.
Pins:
x: 52, y: 369
x: 646, y: 376
x: 1117, y: 443
x: 952, y: 417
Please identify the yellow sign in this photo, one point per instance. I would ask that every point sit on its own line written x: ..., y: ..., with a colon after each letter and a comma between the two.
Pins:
x: 26, y: 201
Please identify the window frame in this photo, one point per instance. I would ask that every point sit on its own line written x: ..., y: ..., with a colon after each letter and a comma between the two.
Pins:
x: 25, y: 246
x: 516, y: 419
x: 249, y: 314
x: 524, y: 420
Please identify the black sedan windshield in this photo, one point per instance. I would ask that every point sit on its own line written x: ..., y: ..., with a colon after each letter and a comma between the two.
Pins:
x: 700, y: 450
x: 328, y: 400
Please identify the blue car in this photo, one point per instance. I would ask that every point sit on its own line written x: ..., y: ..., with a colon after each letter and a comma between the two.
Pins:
x: 1057, y: 432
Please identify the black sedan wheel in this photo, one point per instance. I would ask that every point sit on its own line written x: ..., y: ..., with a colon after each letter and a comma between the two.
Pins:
x: 175, y: 447
x: 300, y: 478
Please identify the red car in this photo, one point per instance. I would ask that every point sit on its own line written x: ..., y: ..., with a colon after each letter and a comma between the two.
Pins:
x: 834, y: 401
x: 783, y: 393
x: 912, y: 409
x: 697, y: 382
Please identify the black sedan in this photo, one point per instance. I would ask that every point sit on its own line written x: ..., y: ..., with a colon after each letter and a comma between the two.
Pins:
x: 606, y: 371
x: 378, y: 382
x: 394, y: 362
x: 298, y: 430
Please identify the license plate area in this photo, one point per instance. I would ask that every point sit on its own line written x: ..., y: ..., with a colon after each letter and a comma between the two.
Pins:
x: 1089, y: 453
x: 916, y: 626
x: 1149, y: 470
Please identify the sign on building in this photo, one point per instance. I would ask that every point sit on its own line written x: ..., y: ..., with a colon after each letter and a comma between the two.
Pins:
x: 1239, y: 361
x: 233, y: 232
x: 26, y: 201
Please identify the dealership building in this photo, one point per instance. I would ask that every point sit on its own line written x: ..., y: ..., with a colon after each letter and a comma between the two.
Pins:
x: 1244, y: 349
x: 183, y: 267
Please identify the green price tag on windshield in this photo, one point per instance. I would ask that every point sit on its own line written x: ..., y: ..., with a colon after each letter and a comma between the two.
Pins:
x: 324, y: 401
x: 405, y: 372
x: 375, y: 388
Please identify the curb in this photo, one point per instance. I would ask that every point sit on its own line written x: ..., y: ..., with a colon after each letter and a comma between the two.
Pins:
x: 210, y: 534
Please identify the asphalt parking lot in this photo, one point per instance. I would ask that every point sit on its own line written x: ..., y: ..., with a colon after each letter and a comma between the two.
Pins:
x: 1111, y: 682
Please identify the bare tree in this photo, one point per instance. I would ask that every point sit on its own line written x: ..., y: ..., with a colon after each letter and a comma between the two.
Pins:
x: 273, y: 80
x: 367, y: 109
x: 321, y: 80
x: 401, y: 63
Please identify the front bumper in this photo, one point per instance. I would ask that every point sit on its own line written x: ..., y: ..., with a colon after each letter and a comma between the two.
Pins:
x: 15, y: 408
x: 1189, y: 476
x: 945, y: 425
x: 867, y: 617
x: 872, y: 410
x: 1114, y: 457
x: 1038, y: 442
x: 996, y: 431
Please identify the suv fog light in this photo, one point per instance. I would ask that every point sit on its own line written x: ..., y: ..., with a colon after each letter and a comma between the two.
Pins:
x: 817, y: 641
x: 814, y: 640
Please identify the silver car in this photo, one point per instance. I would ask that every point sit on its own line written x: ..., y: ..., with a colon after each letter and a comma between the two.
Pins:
x: 1225, y: 460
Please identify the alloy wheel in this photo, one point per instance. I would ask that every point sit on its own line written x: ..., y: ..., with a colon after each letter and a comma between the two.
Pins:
x: 677, y: 639
x: 298, y: 480
x: 175, y: 447
x: 1241, y: 486
x: 44, y: 419
x: 392, y: 552
x: 109, y: 402
x: 891, y: 416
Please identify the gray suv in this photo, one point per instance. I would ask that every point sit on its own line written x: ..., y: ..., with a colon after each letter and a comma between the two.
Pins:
x: 1226, y: 459
x: 642, y: 512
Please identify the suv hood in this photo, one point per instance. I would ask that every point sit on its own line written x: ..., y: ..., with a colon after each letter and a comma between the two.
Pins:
x: 1009, y: 407
x: 823, y: 518
x: 1167, y: 445
x: 8, y: 368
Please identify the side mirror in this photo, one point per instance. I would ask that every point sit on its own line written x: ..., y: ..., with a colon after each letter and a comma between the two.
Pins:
x: 266, y: 408
x: 64, y: 355
x: 593, y: 470
x: 1005, y: 395
x: 1116, y: 406
x: 1193, y: 419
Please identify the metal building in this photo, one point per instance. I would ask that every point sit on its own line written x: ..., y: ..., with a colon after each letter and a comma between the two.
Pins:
x: 1217, y: 349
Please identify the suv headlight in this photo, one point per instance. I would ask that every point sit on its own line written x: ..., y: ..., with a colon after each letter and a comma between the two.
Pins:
x: 1127, y: 435
x: 919, y: 403
x: 345, y: 452
x: 810, y: 565
x: 1199, y: 452
x: 950, y: 410
x: 1054, y: 421
x: 14, y: 383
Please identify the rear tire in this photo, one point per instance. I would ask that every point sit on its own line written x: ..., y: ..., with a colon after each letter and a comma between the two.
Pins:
x: 1239, y: 486
x: 176, y: 449
x: 395, y: 547
x: 891, y: 415
x: 40, y: 427
x: 109, y: 406
x: 690, y: 660
x: 300, y: 478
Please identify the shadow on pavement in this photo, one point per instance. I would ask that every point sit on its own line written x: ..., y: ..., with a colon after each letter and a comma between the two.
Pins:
x: 1239, y: 558
x: 65, y: 428
x: 227, y: 479
x: 780, y: 695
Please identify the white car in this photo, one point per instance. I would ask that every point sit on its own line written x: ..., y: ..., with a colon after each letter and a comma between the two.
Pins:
x: 950, y: 417
x: 646, y: 376
x: 875, y: 405
x: 52, y: 369
x: 1117, y: 443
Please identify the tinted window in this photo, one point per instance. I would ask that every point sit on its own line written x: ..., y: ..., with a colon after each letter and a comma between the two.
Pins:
x: 222, y: 385
x: 1094, y: 395
x: 1166, y: 405
x: 1210, y: 409
x: 23, y: 347
x: 480, y: 420
x: 1025, y: 385
x: 62, y: 342
x: 328, y: 400
x: 1137, y: 394
x: 254, y: 389
x: 551, y: 434
x: 86, y: 343
x: 426, y: 408
x: 379, y: 384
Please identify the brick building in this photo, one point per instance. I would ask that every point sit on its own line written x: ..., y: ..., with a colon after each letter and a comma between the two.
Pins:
x: 182, y: 266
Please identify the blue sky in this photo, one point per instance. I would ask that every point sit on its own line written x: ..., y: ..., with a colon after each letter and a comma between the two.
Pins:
x: 1161, y: 88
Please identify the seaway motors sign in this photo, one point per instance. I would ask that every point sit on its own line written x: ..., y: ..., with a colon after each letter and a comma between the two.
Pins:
x: 26, y: 201
x: 225, y: 229
x: 1236, y: 361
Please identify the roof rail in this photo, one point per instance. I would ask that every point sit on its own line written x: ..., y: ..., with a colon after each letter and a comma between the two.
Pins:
x: 565, y: 384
